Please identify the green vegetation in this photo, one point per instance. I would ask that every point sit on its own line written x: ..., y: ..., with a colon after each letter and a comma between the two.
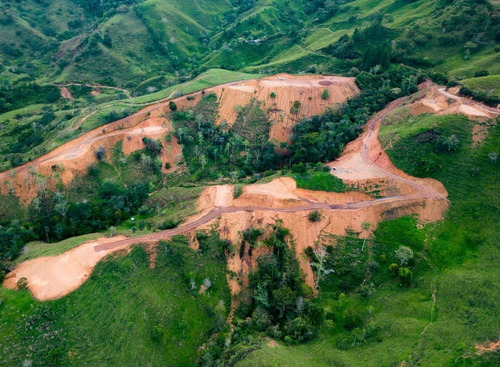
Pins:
x: 484, y: 88
x: 485, y: 84
x: 162, y: 306
x: 30, y: 132
x: 212, y: 149
x: 454, y: 262
x: 319, y: 181
x: 423, y: 294
x: 322, y: 138
x: 325, y: 94
x: 108, y: 195
x: 277, y: 303
x: 149, y: 45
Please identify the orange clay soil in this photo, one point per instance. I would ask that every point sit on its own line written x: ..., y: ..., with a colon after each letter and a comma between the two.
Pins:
x: 306, y: 89
x: 363, y: 163
x: 262, y: 204
x: 487, y: 347
x: 66, y: 94
x: 64, y: 162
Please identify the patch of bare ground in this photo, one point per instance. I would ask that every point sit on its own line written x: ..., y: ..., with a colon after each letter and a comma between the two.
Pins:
x: 66, y: 94
x: 487, y: 347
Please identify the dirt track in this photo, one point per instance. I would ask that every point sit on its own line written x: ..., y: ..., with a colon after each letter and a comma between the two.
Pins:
x: 362, y: 160
x: 75, y: 156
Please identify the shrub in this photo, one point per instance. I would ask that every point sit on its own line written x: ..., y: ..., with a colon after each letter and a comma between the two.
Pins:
x: 100, y: 153
x: 273, y: 95
x: 352, y: 318
x: 295, y: 108
x: 393, y: 268
x: 154, y: 146
x: 299, y: 330
x: 172, y: 106
x: 481, y: 73
x: 405, y: 275
x: 314, y: 216
x: 325, y: 94
x: 449, y: 143
x: 299, y: 168
x: 168, y: 165
x: 112, y: 231
x: 238, y: 190
x: 22, y: 283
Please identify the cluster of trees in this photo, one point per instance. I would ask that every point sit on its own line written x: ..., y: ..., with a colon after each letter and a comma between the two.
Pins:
x: 276, y: 303
x: 15, y: 97
x: 245, y: 149
x: 240, y: 150
x: 101, y: 7
x: 324, y: 9
x: 54, y: 217
x: 322, y: 138
x: 402, y: 270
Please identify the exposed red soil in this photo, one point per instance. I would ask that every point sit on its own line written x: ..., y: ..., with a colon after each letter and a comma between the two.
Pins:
x: 487, y: 347
x: 306, y: 89
x: 363, y: 162
x: 75, y: 156
x: 66, y: 94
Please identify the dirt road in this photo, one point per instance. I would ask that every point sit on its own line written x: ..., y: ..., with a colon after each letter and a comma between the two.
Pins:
x: 362, y: 159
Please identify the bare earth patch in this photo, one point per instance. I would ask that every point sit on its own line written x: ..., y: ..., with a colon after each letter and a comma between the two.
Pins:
x: 487, y: 347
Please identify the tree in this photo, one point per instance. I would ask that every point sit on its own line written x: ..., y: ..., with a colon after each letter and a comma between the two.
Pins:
x: 234, y: 175
x: 405, y: 275
x: 449, y: 143
x: 172, y: 106
x: 295, y: 108
x: 325, y: 94
x: 207, y: 283
x: 22, y: 283
x: 493, y: 156
x: 107, y: 41
x: 404, y: 254
x: 273, y: 95
x: 203, y: 161
x: 100, y: 153
x: 320, y: 264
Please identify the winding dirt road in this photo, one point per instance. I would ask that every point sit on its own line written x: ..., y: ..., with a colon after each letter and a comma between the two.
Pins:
x: 362, y: 160
x: 369, y: 144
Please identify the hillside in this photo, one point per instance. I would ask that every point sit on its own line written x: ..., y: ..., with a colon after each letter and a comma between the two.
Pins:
x: 147, y: 45
x: 74, y: 157
x: 381, y: 216
x: 249, y: 183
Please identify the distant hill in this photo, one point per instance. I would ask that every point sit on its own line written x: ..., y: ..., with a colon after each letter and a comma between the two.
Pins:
x: 155, y: 43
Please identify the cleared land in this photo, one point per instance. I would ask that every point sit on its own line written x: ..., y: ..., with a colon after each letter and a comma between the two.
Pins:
x: 425, y: 197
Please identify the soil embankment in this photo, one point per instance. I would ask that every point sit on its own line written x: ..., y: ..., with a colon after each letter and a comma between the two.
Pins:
x: 363, y: 163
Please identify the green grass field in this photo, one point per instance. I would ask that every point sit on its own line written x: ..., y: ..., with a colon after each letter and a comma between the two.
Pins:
x: 487, y: 84
x: 126, y: 313
x: 320, y: 181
